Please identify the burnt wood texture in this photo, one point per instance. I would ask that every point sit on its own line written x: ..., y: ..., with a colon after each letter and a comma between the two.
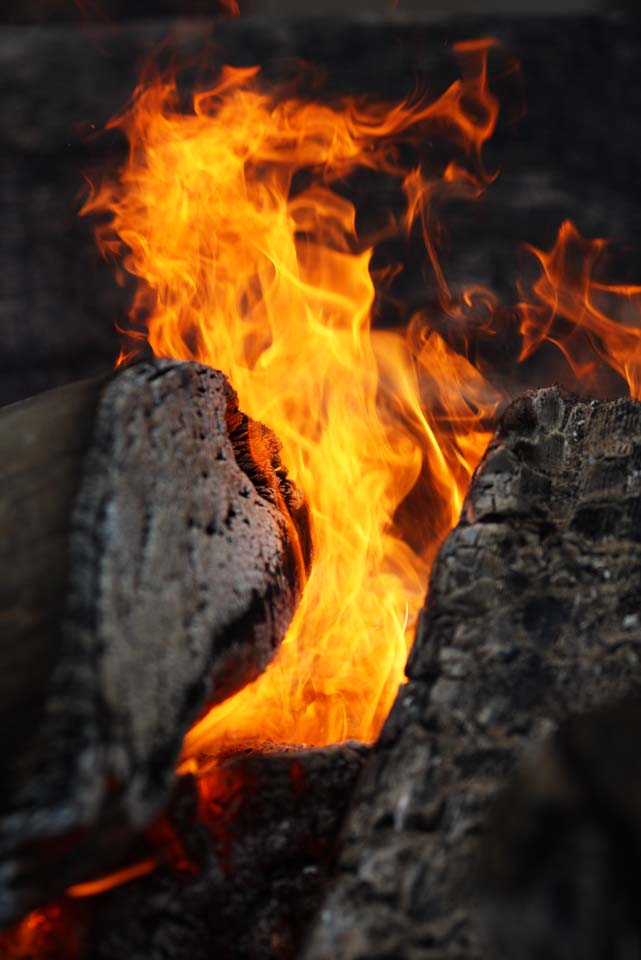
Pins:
x: 155, y: 572
x: 260, y: 844
x: 242, y: 857
x: 533, y: 613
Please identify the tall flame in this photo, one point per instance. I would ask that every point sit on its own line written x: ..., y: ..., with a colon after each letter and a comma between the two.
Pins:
x: 244, y: 268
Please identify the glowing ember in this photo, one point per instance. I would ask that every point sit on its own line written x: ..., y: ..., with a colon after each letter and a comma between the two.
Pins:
x: 55, y: 931
x: 111, y: 880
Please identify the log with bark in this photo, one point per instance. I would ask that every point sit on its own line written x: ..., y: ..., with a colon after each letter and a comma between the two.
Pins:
x: 533, y: 612
x: 154, y: 552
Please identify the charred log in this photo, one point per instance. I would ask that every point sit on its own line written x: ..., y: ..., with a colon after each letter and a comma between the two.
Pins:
x: 155, y: 571
x: 243, y: 856
x: 261, y: 844
x: 532, y: 612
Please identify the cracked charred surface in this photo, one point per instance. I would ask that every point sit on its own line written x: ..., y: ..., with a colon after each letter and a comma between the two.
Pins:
x: 257, y: 847
x: 180, y: 552
x: 533, y: 612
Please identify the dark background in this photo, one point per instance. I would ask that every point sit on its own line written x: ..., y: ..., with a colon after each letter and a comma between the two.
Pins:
x: 574, y: 151
x: 57, y: 11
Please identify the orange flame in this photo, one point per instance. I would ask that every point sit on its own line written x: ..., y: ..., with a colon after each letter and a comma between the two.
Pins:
x: 111, y: 880
x: 243, y: 268
x: 267, y: 282
x: 602, y: 322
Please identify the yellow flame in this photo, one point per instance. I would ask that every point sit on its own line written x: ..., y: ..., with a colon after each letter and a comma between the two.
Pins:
x: 244, y: 269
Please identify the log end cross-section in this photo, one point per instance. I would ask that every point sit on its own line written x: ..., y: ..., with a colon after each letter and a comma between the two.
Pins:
x: 184, y: 549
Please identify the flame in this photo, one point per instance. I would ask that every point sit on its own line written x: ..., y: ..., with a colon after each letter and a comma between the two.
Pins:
x: 602, y: 322
x: 243, y: 268
x: 230, y: 213
x: 249, y: 260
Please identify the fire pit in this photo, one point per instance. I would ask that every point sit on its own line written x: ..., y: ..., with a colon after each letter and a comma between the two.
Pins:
x: 336, y: 241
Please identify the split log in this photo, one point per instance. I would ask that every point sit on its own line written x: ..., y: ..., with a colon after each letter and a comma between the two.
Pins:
x: 243, y: 858
x: 153, y: 554
x: 533, y: 611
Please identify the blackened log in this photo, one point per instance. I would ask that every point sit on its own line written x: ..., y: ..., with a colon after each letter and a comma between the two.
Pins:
x: 261, y: 844
x: 155, y: 552
x: 561, y: 862
x: 242, y: 862
x: 533, y: 611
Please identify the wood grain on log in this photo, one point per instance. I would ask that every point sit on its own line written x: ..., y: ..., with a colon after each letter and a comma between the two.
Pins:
x: 533, y: 612
x: 42, y: 445
x: 170, y: 559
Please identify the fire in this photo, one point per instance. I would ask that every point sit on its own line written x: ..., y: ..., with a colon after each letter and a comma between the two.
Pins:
x: 111, y: 880
x: 248, y: 260
x: 231, y: 216
x: 593, y: 324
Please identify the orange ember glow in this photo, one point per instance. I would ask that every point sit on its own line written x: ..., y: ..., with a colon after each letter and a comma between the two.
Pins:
x: 266, y: 279
x: 231, y: 215
x: 111, y: 880
x: 52, y: 933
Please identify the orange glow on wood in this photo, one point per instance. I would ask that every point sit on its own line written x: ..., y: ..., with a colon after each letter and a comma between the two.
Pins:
x: 111, y: 880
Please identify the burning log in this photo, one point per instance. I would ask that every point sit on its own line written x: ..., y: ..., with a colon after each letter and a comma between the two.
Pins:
x: 242, y: 857
x: 154, y: 572
x: 533, y: 611
x: 261, y: 844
